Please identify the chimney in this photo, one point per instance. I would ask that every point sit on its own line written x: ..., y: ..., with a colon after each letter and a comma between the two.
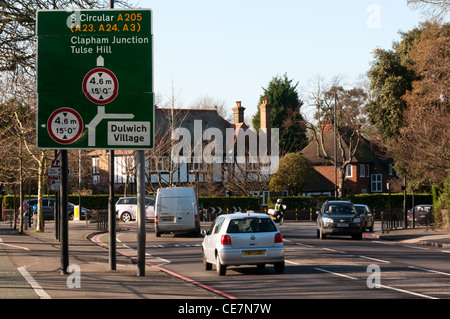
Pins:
x: 238, y: 112
x: 265, y: 115
x: 265, y: 124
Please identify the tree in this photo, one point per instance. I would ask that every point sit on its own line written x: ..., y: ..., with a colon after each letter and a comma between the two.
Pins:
x: 410, y: 107
x: 293, y: 172
x: 285, y: 114
x: 390, y: 78
x: 207, y: 102
x: 423, y: 143
x: 18, y: 29
x: 349, y: 121
x: 436, y: 9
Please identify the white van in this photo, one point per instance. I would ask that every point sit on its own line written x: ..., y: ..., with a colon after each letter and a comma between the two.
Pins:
x: 176, y: 211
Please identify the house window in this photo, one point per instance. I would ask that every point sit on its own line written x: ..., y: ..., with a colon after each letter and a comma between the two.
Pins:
x: 95, y: 170
x: 362, y: 170
x: 124, y: 169
x: 349, y: 170
x: 376, y: 182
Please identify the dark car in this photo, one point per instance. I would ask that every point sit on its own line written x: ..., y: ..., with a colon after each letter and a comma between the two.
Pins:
x: 339, y: 218
x: 48, y: 208
x: 423, y: 214
x: 366, y: 216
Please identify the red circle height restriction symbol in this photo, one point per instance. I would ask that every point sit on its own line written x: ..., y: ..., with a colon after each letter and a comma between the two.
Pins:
x: 79, y: 125
x: 89, y: 94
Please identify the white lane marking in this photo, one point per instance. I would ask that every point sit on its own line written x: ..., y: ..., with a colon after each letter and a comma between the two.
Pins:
x: 309, y: 246
x: 405, y: 291
x: 336, y: 273
x: 20, y: 247
x: 334, y: 250
x: 383, y: 242
x: 416, y: 247
x: 33, y: 283
x: 430, y: 270
x: 378, y: 285
x: 375, y: 259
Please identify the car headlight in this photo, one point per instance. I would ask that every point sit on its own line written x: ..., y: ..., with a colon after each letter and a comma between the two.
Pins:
x: 327, y: 220
x: 357, y: 220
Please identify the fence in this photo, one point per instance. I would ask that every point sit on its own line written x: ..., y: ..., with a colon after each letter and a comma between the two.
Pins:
x: 100, y: 217
x: 7, y: 220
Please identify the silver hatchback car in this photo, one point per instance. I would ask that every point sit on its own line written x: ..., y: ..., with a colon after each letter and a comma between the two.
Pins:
x: 243, y: 239
x: 126, y: 208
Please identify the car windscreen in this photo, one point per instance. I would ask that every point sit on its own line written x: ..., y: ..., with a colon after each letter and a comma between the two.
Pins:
x: 340, y: 209
x: 251, y: 225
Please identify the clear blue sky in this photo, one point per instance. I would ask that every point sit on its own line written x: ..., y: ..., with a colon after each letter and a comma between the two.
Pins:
x: 230, y: 49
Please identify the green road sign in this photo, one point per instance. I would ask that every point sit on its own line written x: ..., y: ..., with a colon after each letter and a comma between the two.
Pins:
x: 95, y: 79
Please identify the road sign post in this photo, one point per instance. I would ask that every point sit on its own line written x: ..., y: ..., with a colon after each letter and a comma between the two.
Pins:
x: 95, y: 79
x: 95, y: 85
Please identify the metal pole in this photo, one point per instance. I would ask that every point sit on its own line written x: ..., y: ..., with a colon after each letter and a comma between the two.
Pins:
x: 64, y: 228
x: 405, y: 216
x: 140, y: 161
x: 56, y: 208
x: 111, y: 214
x: 111, y: 203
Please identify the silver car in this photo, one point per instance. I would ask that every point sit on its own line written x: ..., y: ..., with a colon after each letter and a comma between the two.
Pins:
x: 126, y: 208
x: 243, y: 239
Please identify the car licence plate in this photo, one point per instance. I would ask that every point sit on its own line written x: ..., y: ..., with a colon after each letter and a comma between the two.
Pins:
x: 342, y: 225
x: 254, y: 252
x: 167, y: 219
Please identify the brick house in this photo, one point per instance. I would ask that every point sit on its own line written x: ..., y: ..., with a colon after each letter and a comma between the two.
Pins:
x: 369, y: 170
x: 159, y: 172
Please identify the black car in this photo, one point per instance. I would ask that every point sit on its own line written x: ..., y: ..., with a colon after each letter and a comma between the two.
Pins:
x: 366, y: 216
x: 339, y: 218
x: 48, y: 208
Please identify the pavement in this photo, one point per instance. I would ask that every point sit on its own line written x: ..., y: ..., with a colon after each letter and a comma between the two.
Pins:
x: 30, y: 266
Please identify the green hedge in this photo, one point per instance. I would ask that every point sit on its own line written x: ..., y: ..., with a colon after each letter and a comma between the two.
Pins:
x: 374, y: 201
x: 101, y: 201
x: 87, y: 201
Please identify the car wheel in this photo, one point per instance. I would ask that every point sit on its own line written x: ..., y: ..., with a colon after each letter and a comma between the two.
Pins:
x: 279, y: 267
x: 221, y: 269
x: 70, y: 216
x: 125, y: 217
x: 206, y: 265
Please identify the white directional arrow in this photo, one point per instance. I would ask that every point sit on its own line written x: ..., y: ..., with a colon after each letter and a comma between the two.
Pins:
x: 97, y: 119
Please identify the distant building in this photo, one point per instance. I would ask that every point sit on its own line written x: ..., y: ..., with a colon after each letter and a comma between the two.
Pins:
x: 161, y: 171
x: 368, y: 172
